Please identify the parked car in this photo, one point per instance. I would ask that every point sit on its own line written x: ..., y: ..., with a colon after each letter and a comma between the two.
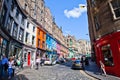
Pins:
x: 77, y: 65
x: 47, y: 62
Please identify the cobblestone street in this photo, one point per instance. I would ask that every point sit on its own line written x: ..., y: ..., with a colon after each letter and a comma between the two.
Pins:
x: 56, y: 72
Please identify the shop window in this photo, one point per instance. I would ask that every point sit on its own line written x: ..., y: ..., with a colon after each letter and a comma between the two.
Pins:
x: 25, y: 57
x: 115, y: 7
x: 4, y: 46
x: 107, y: 54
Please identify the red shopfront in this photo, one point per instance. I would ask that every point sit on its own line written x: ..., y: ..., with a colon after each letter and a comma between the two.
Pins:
x: 107, y: 50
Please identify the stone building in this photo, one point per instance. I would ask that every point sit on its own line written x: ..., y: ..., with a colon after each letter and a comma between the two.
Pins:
x: 104, y: 30
x: 35, y: 9
x: 84, y: 46
x: 72, y: 45
x: 48, y: 20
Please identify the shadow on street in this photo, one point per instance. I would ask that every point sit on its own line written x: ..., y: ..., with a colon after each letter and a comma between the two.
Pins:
x: 19, y: 77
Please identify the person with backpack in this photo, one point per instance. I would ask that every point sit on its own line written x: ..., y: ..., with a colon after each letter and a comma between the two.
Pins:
x: 18, y: 63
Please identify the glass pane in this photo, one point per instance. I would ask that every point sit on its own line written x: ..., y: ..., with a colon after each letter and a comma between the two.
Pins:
x: 107, y: 54
x: 117, y: 12
x: 116, y: 4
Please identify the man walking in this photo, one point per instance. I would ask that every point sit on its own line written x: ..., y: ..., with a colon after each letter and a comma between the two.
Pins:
x: 37, y: 63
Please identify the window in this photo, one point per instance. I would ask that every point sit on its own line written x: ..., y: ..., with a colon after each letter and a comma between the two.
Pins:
x: 71, y: 42
x: 21, y: 32
x: 67, y: 40
x: 15, y: 30
x: 23, y: 20
x: 41, y: 11
x: 25, y: 6
x: 39, y: 43
x: 27, y: 37
x: 115, y: 6
x: 38, y: 32
x: 33, y: 28
x: 28, y: 24
x: 9, y: 24
x: 43, y: 44
x: 17, y: 14
x: 43, y: 35
x: 33, y: 39
x: 3, y: 15
x: 96, y: 21
x: 107, y: 54
x: 93, y: 2
x: 12, y: 6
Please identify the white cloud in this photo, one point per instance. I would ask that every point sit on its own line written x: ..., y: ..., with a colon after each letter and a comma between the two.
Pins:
x: 76, y: 12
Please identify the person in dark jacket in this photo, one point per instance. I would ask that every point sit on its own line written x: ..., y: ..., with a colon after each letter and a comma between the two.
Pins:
x: 4, y: 66
x: 86, y: 61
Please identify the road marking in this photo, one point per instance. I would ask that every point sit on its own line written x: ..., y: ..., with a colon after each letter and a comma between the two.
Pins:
x: 92, y: 78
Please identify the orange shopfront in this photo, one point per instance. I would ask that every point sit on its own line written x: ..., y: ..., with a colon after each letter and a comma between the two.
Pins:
x: 107, y: 50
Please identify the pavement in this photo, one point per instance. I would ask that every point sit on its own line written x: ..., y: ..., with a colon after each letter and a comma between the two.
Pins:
x: 93, y: 70
x: 55, y: 72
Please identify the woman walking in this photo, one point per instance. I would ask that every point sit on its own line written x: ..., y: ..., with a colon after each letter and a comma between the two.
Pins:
x: 10, y: 69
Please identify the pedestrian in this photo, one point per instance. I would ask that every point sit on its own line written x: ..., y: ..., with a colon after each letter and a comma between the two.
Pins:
x: 4, y: 66
x: 10, y: 69
x: 86, y: 61
x: 32, y: 64
x: 21, y: 63
x: 18, y: 63
x: 83, y: 61
x: 13, y: 66
x: 102, y: 68
x: 37, y: 63
x: 42, y: 61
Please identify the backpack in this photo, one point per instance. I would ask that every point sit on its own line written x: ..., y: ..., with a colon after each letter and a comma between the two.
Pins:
x: 18, y: 63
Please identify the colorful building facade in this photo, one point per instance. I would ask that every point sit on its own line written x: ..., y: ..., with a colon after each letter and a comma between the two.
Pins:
x: 51, y: 52
x: 40, y: 42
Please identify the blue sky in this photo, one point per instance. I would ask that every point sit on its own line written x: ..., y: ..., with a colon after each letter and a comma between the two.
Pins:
x: 70, y: 16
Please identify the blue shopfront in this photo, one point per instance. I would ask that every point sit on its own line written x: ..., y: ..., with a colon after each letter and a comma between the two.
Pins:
x: 51, y: 52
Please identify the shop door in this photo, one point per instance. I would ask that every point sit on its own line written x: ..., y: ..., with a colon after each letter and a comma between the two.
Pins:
x: 29, y: 58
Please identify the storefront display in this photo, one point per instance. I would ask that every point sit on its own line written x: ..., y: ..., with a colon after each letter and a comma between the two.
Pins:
x: 3, y: 47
